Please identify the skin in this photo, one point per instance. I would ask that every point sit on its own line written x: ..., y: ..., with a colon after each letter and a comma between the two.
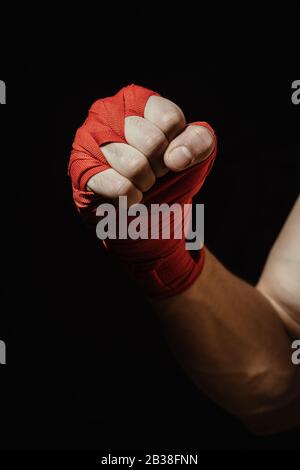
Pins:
x: 280, y: 279
x: 231, y: 338
x: 148, y: 153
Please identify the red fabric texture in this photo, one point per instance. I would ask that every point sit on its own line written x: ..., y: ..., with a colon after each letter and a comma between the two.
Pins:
x: 162, y: 267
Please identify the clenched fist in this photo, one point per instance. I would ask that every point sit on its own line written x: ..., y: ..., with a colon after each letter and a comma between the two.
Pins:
x: 137, y: 144
x: 156, y: 143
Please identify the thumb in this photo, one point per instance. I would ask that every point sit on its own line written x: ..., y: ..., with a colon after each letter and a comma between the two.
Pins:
x: 192, y: 146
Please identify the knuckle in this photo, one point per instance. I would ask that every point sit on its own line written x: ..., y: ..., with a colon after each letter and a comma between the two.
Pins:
x: 110, y: 150
x: 93, y: 183
x: 154, y: 140
x: 123, y: 187
x: 137, y: 165
x: 113, y: 184
x: 139, y: 170
x: 172, y: 118
x: 204, y: 137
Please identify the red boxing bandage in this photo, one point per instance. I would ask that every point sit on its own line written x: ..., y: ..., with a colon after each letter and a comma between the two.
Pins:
x: 163, y: 267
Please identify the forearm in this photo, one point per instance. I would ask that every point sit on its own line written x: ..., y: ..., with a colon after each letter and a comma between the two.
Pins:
x: 230, y: 341
x: 280, y: 280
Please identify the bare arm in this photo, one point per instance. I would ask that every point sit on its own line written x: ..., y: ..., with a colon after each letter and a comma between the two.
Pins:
x: 280, y: 280
x: 231, y: 342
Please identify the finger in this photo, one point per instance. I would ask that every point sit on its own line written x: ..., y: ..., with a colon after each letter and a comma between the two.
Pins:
x: 110, y: 185
x: 166, y: 115
x: 144, y: 136
x: 130, y: 163
x: 190, y: 147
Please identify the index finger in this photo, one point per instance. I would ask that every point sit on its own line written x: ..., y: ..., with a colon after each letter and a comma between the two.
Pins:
x: 166, y: 115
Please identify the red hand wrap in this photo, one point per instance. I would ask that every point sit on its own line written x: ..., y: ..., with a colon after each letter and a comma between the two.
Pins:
x: 163, y: 267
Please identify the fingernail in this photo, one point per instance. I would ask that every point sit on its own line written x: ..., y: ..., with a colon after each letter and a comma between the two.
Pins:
x: 180, y: 157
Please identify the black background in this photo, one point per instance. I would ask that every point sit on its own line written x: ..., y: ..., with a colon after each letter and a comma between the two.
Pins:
x: 87, y: 366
